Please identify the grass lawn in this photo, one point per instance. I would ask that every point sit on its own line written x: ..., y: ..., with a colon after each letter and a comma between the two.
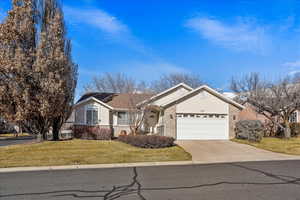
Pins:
x: 84, y: 152
x: 290, y: 146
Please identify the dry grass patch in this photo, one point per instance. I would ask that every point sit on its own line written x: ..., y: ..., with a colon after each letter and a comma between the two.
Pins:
x: 287, y: 146
x: 84, y: 152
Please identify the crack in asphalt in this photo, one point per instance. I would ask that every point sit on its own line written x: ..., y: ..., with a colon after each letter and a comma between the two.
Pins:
x: 293, y: 180
x: 135, y: 187
x: 117, y: 191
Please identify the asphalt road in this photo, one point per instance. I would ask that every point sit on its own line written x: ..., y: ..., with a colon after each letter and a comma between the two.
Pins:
x: 276, y: 180
x: 19, y: 140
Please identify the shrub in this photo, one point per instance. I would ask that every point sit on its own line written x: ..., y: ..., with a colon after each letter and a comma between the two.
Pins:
x: 92, y: 133
x: 252, y: 130
x: 147, y: 141
x: 271, y: 129
x: 295, y: 129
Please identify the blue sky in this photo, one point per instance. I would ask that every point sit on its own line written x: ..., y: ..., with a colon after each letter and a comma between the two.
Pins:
x: 214, y: 39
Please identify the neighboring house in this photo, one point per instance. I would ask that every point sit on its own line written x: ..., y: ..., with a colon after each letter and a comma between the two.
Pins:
x: 180, y: 112
x: 249, y: 113
x: 294, y: 118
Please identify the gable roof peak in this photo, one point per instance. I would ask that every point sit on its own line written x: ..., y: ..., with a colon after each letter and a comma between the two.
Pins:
x: 166, y: 91
x: 210, y: 90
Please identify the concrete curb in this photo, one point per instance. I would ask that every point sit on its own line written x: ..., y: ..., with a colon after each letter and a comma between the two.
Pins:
x: 123, y: 165
x: 95, y: 166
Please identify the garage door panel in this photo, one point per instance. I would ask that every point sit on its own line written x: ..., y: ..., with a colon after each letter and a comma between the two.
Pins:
x: 193, y: 128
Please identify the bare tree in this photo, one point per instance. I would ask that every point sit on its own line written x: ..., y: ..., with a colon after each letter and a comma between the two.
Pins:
x: 135, y: 115
x: 275, y: 100
x: 296, y: 77
x: 136, y: 120
x: 114, y: 83
x: 169, y: 80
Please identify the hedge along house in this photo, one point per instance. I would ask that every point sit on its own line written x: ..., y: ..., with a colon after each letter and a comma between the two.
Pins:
x: 180, y: 112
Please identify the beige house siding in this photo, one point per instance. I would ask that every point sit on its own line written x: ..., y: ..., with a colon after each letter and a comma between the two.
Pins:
x: 168, y: 97
x: 119, y: 128
x: 115, y: 118
x: 103, y: 113
x: 203, y: 102
x: 233, y: 118
x: 79, y: 115
x: 169, y: 119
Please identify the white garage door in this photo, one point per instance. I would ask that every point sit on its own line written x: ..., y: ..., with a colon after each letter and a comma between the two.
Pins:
x: 202, y: 127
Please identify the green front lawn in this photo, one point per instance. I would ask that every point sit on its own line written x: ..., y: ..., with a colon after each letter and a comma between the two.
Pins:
x: 290, y: 146
x: 75, y: 152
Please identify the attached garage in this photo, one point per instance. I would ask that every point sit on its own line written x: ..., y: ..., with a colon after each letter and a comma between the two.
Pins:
x: 202, y: 114
x: 202, y: 127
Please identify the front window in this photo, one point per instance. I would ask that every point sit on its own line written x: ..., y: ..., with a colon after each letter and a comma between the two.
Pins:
x: 92, y: 116
x: 293, y: 117
x: 123, y: 118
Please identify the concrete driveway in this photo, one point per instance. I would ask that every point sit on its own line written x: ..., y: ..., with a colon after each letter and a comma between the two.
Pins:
x: 214, y: 151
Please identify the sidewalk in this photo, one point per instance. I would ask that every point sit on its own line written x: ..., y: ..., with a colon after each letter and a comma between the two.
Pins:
x: 123, y: 165
x: 94, y: 166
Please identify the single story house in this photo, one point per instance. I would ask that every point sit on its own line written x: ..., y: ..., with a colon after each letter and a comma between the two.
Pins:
x: 180, y: 112
x: 249, y: 113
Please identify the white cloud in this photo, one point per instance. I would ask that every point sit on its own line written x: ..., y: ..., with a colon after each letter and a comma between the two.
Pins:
x: 242, y: 36
x: 96, y: 18
x: 292, y: 64
x: 152, y: 64
x: 292, y: 73
x: 107, y: 24
x: 293, y: 68
x: 161, y: 68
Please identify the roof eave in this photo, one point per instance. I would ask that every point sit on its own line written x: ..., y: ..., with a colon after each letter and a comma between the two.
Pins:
x: 97, y: 100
